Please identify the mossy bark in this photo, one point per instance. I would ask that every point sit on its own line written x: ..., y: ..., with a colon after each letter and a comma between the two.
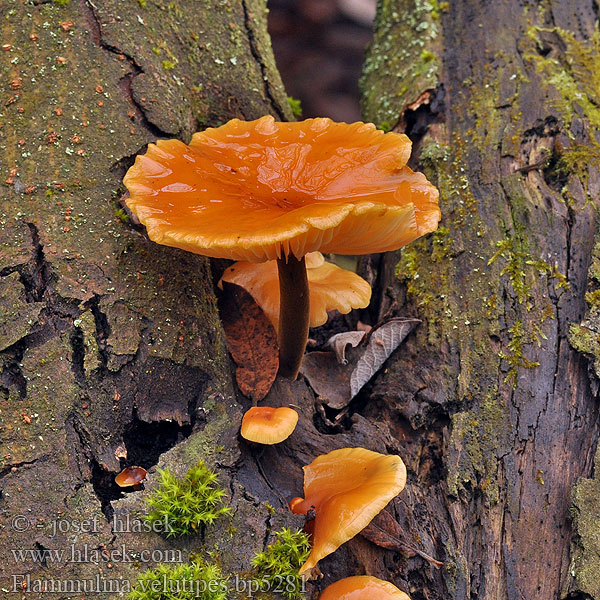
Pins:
x: 111, y: 350
x: 492, y: 398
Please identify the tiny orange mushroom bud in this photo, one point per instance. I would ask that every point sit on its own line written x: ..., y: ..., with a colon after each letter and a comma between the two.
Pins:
x: 362, y: 587
x: 344, y: 490
x: 267, y: 425
x: 262, y: 190
x: 330, y: 287
x: 130, y: 476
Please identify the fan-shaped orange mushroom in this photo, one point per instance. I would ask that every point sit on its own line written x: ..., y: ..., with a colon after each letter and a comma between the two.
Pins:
x: 330, y: 287
x: 267, y: 425
x: 344, y: 490
x: 131, y: 476
x: 262, y: 190
x: 362, y: 587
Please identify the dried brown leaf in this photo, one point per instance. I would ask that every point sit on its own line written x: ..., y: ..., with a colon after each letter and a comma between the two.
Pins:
x: 251, y: 340
x: 339, y: 382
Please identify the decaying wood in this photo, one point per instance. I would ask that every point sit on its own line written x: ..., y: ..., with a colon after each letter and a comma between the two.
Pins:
x: 111, y: 349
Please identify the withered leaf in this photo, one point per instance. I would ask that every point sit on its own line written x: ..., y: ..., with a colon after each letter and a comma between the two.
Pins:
x: 251, y: 340
x: 339, y: 341
x: 382, y: 341
x: 385, y: 532
x: 337, y: 382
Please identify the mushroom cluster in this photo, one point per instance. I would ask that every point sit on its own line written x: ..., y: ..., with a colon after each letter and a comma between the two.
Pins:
x: 262, y: 190
x: 273, y: 196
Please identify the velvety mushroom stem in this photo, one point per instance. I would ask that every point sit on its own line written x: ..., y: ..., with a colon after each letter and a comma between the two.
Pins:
x: 293, y: 314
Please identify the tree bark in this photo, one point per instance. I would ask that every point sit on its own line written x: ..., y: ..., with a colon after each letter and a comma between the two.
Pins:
x: 497, y: 410
x: 111, y: 345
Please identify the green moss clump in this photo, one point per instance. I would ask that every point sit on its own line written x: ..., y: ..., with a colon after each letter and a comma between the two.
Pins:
x: 515, y: 358
x: 142, y: 3
x: 296, y: 106
x: 279, y: 564
x: 168, y: 65
x: 183, y: 506
x: 61, y: 2
x: 194, y: 581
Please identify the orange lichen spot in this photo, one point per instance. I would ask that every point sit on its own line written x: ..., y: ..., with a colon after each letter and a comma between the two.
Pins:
x: 58, y: 112
x: 6, y: 47
x: 344, y: 490
x: 67, y: 25
x: 131, y: 476
x: 99, y: 89
x: 293, y: 187
x: 362, y: 587
x: 330, y: 287
x: 61, y: 60
x: 267, y: 425
x: 15, y: 83
x: 33, y: 37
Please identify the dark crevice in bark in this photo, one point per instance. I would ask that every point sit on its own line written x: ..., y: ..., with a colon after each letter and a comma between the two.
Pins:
x: 145, y: 442
x: 102, y: 480
x: 125, y: 83
x: 11, y: 468
x: 417, y: 119
x: 102, y: 329
x: 35, y: 278
x: 254, y: 49
x: 40, y: 555
x: 78, y: 356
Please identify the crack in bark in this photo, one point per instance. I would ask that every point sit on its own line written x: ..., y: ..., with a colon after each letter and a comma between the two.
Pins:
x: 125, y: 83
x: 254, y: 49
x: 12, y: 468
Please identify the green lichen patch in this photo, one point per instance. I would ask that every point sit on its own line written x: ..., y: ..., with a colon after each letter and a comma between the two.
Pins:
x: 574, y: 75
x: 585, y: 336
x: 585, y: 511
x: 405, y: 49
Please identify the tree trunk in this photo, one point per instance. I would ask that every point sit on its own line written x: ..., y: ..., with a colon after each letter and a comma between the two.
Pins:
x: 497, y: 410
x: 111, y: 348
x: 112, y: 351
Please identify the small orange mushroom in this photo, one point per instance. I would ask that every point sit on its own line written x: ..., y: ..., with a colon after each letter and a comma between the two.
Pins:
x: 267, y: 425
x: 330, y: 287
x: 131, y: 476
x: 362, y: 587
x: 343, y: 491
x: 262, y: 190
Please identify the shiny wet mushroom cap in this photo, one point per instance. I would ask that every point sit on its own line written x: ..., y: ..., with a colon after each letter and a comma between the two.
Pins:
x: 130, y: 476
x: 267, y: 425
x: 344, y: 490
x: 262, y: 190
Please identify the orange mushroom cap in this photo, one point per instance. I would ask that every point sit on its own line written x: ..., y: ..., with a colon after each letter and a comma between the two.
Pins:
x: 362, y: 587
x: 130, y: 476
x: 346, y: 488
x: 330, y: 287
x: 259, y: 190
x: 267, y: 425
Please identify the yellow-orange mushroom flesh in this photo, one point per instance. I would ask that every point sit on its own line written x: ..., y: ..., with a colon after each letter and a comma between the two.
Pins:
x: 330, y: 287
x: 267, y: 425
x: 346, y: 488
x: 362, y: 587
x: 262, y: 190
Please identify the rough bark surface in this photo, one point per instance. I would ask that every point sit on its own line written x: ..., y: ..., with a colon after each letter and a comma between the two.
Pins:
x: 497, y: 411
x: 110, y: 344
